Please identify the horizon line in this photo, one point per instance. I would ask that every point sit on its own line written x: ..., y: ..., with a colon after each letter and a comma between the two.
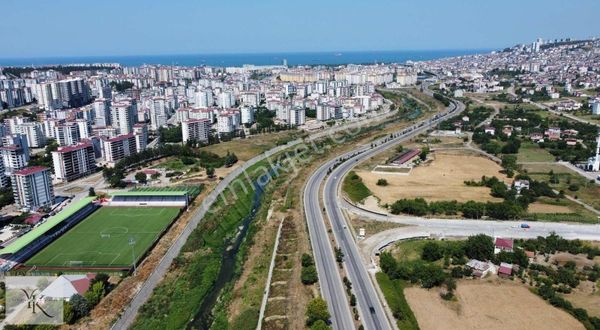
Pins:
x: 256, y: 53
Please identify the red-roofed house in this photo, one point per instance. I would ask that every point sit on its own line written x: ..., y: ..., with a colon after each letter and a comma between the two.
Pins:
x: 65, y: 286
x: 503, y: 244
x: 505, y: 269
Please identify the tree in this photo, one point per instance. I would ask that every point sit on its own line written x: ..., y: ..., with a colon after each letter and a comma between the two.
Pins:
x: 141, y: 177
x: 316, y: 310
x: 320, y: 325
x: 230, y: 159
x: 424, y: 153
x: 382, y: 182
x: 509, y: 162
x: 339, y: 254
x: 480, y: 247
x: 210, y: 172
x: 95, y: 293
x: 309, y: 275
x: 388, y: 264
x: 91, y: 192
x: 432, y: 251
x: 68, y: 313
x: 80, y: 306
x: 307, y: 260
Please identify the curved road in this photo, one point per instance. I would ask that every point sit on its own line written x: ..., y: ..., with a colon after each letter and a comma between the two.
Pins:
x: 369, y: 305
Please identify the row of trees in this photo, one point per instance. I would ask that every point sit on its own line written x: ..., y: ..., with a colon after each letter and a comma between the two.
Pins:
x: 116, y: 174
x: 472, y: 210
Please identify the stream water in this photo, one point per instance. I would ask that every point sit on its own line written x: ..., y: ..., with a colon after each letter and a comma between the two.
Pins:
x: 204, y: 318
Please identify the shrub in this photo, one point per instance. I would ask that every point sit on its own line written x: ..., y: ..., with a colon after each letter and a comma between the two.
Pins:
x: 382, y: 182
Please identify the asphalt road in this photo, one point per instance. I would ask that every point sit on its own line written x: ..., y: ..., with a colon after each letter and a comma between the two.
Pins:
x: 369, y: 305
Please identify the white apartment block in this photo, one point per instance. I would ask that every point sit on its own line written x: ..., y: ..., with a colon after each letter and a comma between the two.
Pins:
x: 247, y: 115
x: 123, y: 116
x: 225, y: 123
x: 141, y: 136
x: 67, y: 134
x: 74, y: 162
x: 119, y: 147
x: 34, y: 132
x: 32, y: 188
x: 15, y: 152
x: 297, y: 117
x: 102, y: 112
x: 195, y: 130
x: 158, y: 113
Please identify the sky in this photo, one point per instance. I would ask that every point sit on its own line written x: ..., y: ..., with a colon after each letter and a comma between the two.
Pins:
x: 40, y: 28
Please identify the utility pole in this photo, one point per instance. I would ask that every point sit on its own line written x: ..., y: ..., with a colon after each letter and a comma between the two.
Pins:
x: 132, y: 244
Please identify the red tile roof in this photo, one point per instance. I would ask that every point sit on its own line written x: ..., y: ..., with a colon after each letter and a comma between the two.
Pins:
x: 74, y: 147
x: 31, y: 170
x: 506, y: 243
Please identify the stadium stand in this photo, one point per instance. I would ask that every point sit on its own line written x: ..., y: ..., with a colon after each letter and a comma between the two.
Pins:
x: 36, y: 239
x: 150, y: 198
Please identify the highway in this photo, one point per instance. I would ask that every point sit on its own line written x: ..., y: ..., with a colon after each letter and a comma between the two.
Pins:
x: 369, y: 305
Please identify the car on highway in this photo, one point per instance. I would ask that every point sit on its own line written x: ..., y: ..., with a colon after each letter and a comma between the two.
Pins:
x: 525, y: 226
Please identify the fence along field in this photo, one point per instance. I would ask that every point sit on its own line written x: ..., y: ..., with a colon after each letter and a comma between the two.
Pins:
x: 106, y: 239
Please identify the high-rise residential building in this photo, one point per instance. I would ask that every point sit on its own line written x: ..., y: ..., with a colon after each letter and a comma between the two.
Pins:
x: 102, y: 112
x: 204, y: 98
x: 226, y: 100
x: 34, y: 132
x: 297, y: 117
x: 158, y: 113
x: 595, y: 107
x: 67, y: 134
x: 141, y: 136
x: 247, y: 115
x: 119, y: 147
x: 15, y: 152
x: 225, y: 123
x: 68, y: 93
x: 32, y: 188
x: 123, y: 116
x: 84, y: 128
x: 74, y: 162
x: 195, y: 130
x: 3, y: 177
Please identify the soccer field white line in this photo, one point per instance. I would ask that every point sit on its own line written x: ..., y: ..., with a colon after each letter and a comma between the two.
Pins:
x: 83, y: 261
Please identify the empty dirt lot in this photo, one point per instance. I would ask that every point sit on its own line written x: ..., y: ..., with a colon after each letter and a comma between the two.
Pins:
x: 487, y: 305
x: 441, y: 179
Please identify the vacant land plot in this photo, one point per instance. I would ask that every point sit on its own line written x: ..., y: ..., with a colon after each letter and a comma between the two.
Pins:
x: 538, y: 207
x: 441, y: 179
x: 245, y: 149
x: 103, y: 239
x: 531, y: 152
x: 586, y: 191
x: 487, y: 305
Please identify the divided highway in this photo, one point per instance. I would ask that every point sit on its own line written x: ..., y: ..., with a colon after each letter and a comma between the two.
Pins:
x: 370, y: 308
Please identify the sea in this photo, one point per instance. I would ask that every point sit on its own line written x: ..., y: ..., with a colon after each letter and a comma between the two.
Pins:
x: 239, y: 59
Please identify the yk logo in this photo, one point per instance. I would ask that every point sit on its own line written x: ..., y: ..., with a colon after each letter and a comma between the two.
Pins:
x: 33, y: 304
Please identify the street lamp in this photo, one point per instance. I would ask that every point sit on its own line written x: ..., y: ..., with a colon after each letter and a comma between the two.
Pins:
x: 132, y: 244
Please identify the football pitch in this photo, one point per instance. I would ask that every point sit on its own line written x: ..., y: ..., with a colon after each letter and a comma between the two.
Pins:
x: 109, y: 237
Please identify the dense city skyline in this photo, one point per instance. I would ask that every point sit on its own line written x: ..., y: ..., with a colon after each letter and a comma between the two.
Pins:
x: 188, y: 27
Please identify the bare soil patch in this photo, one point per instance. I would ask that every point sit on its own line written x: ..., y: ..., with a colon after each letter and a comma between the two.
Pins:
x: 487, y: 305
x: 441, y: 179
x: 548, y: 208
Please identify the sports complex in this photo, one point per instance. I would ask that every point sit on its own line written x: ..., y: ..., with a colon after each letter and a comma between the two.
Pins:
x: 108, y: 234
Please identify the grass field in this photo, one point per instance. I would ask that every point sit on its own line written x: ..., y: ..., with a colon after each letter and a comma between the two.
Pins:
x: 531, y: 152
x: 486, y: 305
x: 102, y: 240
x: 355, y: 188
x: 441, y: 179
